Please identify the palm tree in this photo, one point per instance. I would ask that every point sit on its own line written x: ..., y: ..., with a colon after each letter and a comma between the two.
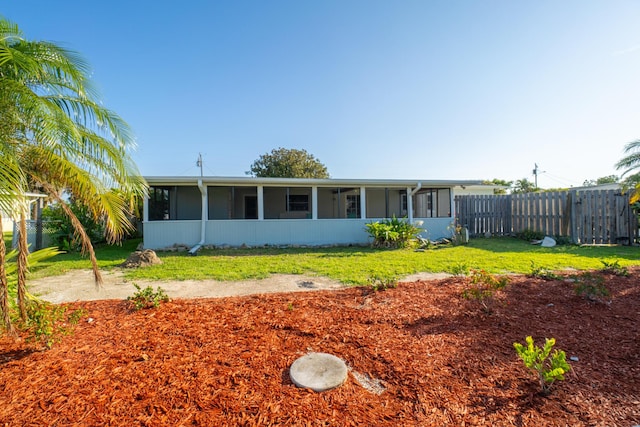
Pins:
x: 631, y: 163
x: 60, y: 137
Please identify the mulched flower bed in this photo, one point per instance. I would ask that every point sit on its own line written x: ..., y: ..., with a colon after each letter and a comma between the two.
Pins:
x: 419, y: 355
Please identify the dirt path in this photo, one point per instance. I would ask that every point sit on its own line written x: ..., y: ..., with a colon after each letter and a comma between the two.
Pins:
x: 78, y: 285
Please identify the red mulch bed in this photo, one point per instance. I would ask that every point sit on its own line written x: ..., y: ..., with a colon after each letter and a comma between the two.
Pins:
x: 441, y: 360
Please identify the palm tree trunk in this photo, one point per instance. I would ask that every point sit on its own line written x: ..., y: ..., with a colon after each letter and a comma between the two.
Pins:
x: 4, y: 286
x: 23, y: 253
x: 85, y: 241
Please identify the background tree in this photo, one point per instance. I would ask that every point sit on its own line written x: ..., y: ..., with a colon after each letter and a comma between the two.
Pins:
x: 609, y: 179
x: 501, y: 182
x: 629, y: 164
x: 288, y: 163
x: 524, y: 186
x: 58, y: 136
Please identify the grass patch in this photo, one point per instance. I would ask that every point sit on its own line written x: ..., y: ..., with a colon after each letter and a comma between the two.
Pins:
x: 109, y: 256
x: 351, y: 265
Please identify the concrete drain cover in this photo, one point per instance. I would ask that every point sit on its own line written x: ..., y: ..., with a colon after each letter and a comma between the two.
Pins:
x: 318, y: 371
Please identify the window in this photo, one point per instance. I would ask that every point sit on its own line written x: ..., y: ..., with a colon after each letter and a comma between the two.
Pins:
x: 432, y: 203
x: 159, y: 203
x: 353, y: 206
x: 298, y: 203
x: 174, y: 203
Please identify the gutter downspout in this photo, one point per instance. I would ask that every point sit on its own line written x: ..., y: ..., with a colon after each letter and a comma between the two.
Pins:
x: 410, y: 201
x: 203, y: 222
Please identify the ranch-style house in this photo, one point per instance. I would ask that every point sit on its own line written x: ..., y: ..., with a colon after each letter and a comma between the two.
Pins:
x: 227, y: 211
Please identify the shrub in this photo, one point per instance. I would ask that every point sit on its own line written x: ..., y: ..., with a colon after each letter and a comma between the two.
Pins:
x: 549, y: 367
x: 147, y: 297
x: 590, y: 286
x: 542, y: 273
x: 64, y: 233
x: 392, y: 233
x: 460, y: 269
x: 46, y: 323
x: 482, y: 288
x: 381, y: 283
x: 614, y: 267
x: 530, y: 235
x: 563, y: 240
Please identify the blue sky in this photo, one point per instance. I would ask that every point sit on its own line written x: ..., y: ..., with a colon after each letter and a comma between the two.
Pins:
x: 443, y: 89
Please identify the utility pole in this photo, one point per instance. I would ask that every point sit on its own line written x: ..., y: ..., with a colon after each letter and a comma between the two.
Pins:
x: 199, y: 163
x: 535, y: 174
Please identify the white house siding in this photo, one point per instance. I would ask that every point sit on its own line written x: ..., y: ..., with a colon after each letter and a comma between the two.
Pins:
x: 161, y: 234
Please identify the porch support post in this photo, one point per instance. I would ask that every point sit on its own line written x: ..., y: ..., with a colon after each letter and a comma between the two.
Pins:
x: 363, y: 202
x: 452, y: 204
x: 314, y: 202
x: 145, y: 209
x: 205, y: 211
x: 260, y: 202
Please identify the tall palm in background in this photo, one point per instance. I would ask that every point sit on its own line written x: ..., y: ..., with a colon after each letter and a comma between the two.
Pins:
x: 631, y: 163
x: 59, y: 138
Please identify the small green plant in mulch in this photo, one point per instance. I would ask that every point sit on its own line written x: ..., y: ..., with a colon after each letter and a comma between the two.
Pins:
x: 614, y: 267
x: 47, y: 323
x: 542, y: 273
x: 549, y: 367
x: 482, y: 287
x: 460, y: 269
x: 590, y: 286
x: 382, y: 282
x: 147, y: 297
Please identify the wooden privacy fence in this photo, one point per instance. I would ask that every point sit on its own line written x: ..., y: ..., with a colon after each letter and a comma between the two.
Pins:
x: 586, y: 216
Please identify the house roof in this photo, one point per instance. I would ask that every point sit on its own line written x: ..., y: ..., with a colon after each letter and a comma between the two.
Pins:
x: 223, y: 180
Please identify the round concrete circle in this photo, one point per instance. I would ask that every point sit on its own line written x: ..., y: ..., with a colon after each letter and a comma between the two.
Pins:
x: 318, y: 371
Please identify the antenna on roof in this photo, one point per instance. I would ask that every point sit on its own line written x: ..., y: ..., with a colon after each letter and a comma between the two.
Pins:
x: 199, y: 162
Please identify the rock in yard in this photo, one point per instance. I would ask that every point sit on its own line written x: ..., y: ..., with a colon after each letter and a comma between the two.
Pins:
x: 143, y: 258
x: 548, y: 242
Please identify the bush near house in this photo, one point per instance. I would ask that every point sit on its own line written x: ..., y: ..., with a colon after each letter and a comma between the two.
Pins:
x: 64, y: 235
x: 392, y: 233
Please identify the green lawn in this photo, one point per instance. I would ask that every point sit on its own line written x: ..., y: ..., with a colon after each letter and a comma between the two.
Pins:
x: 352, y: 265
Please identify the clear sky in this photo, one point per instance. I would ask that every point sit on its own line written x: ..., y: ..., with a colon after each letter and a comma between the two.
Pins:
x: 427, y: 89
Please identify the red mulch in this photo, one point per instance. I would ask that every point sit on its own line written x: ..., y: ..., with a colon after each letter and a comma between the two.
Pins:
x: 442, y: 361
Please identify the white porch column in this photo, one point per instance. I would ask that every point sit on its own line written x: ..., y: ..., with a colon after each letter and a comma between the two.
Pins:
x: 260, y: 202
x: 363, y: 203
x: 314, y: 202
x: 452, y: 203
x: 145, y: 209
x: 410, y: 194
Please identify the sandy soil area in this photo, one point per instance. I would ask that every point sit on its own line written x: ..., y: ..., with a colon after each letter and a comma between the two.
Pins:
x: 78, y: 285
